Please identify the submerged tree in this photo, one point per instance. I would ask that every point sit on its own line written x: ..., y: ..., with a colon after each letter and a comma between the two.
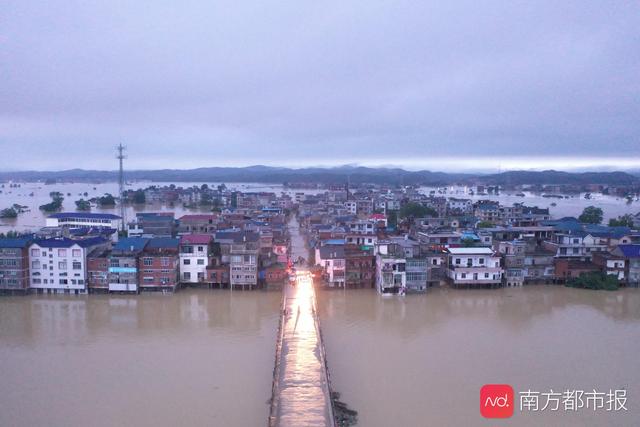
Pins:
x: 591, y: 215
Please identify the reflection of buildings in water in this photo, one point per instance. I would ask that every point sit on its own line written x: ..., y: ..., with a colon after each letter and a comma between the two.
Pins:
x: 59, y: 318
x: 515, y: 308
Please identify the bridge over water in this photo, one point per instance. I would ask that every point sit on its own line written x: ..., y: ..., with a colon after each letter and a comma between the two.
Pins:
x: 301, y: 389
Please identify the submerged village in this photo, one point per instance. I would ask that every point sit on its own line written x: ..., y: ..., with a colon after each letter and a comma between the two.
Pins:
x: 394, y: 239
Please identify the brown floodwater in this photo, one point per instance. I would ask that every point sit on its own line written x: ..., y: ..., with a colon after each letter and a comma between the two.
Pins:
x: 421, y: 360
x: 195, y: 358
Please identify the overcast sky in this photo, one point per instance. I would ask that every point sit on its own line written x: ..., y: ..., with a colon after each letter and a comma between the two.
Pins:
x: 421, y: 84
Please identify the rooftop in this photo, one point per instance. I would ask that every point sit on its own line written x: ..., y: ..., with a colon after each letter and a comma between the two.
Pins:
x: 470, y: 251
x: 81, y: 215
x: 196, y: 239
x: 14, y: 243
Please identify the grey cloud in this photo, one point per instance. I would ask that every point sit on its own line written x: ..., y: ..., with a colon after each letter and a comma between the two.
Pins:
x: 198, y: 83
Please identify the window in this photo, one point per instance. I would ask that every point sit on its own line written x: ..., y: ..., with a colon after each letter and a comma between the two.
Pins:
x: 63, y: 281
x: 486, y: 275
x: 481, y: 260
x: 35, y: 252
x: 463, y: 275
x: 185, y: 262
x: 62, y: 252
x: 200, y: 248
x: 148, y: 261
x: 186, y: 276
x: 200, y: 261
x: 35, y: 265
x: 77, y: 253
x: 77, y: 265
x: 164, y: 262
x: 62, y: 265
x: 458, y: 261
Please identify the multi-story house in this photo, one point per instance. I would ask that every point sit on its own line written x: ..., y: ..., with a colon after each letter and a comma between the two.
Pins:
x: 457, y: 206
x: 124, y: 265
x: 488, y: 211
x: 474, y: 267
x: 611, y: 264
x: 332, y: 259
x: 417, y: 274
x: 58, y: 265
x: 197, y: 223
x: 360, y: 267
x: 159, y: 268
x: 14, y: 265
x: 631, y: 255
x: 195, y: 256
x: 578, y: 245
x: 440, y: 238
x: 148, y: 224
x: 243, y: 266
x: 98, y: 270
x: 391, y: 275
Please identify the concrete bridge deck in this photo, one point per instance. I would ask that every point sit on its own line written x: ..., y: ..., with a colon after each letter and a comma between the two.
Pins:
x: 301, y: 392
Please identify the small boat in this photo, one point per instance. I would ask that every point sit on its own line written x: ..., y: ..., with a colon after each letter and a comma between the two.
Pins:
x: 554, y: 204
x: 520, y: 194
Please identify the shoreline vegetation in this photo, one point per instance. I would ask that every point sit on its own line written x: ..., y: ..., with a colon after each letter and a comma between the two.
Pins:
x: 333, y: 175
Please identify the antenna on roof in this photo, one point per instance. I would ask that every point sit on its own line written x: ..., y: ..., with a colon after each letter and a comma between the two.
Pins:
x: 120, y: 158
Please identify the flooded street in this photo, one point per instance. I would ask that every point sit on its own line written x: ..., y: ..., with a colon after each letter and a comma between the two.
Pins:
x: 195, y: 358
x: 421, y: 360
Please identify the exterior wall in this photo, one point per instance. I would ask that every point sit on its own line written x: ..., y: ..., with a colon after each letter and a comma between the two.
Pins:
x: 243, y: 265
x: 97, y: 273
x: 14, y: 269
x: 219, y: 275
x: 194, y: 260
x: 633, y: 272
x: 391, y: 276
x: 417, y: 274
x: 123, y: 273
x: 360, y: 270
x: 566, y: 269
x: 61, y: 270
x: 473, y: 270
x: 334, y: 272
x: 158, y: 271
x: 79, y: 221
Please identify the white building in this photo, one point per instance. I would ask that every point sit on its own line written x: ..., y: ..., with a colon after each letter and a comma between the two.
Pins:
x: 332, y: 259
x: 391, y: 269
x: 472, y: 267
x: 351, y: 206
x: 459, y: 205
x: 59, y: 265
x: 195, y: 252
x: 84, y: 219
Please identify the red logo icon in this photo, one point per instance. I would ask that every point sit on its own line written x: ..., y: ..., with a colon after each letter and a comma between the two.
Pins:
x: 496, y: 401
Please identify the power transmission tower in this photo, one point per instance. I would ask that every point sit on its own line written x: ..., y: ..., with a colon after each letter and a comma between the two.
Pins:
x: 121, y: 157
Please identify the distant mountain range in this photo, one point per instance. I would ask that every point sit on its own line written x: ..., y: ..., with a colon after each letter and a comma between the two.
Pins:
x: 342, y: 174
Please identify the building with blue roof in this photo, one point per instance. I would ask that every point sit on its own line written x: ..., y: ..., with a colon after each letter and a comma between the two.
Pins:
x: 631, y: 255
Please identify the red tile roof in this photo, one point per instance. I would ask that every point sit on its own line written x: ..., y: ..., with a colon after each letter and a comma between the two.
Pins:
x: 196, y: 239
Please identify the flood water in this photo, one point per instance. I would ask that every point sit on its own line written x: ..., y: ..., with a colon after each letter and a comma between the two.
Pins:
x: 421, y: 360
x: 34, y: 219
x: 195, y: 358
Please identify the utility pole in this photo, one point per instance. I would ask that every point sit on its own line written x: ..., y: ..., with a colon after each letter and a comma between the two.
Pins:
x: 121, y: 157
